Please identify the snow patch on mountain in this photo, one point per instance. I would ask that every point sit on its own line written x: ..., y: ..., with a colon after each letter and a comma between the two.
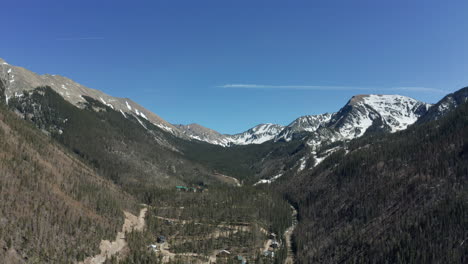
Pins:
x: 309, y: 123
x: 256, y: 135
x: 397, y: 111
x: 302, y: 164
x: 268, y: 181
x: 167, y: 128
x: 386, y: 112
x: 102, y: 100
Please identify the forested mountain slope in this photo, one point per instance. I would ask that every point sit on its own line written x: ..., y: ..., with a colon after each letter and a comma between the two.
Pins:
x: 129, y: 150
x: 54, y: 208
x: 389, y: 198
x: 139, y: 155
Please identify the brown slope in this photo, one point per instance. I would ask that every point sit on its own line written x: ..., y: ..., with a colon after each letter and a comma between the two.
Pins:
x: 53, y: 209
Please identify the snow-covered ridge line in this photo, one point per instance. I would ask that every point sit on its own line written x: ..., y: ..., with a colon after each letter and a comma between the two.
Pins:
x: 391, y: 112
x: 256, y: 135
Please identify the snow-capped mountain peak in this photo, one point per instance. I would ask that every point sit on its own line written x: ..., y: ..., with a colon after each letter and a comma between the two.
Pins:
x: 309, y: 123
x: 388, y: 112
x: 256, y: 135
x: 397, y: 111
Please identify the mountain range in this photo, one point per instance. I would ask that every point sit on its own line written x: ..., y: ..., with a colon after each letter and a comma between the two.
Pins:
x: 361, y: 115
x: 362, y: 112
x: 381, y: 179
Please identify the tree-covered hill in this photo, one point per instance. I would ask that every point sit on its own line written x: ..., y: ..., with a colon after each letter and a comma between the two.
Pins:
x: 394, y: 198
x: 54, y: 208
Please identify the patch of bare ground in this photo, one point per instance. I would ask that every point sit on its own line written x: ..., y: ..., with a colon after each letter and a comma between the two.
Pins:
x: 118, y: 246
x: 288, y: 237
x: 228, y: 179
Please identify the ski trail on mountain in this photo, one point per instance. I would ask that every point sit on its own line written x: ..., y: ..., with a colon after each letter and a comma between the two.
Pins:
x: 108, y: 248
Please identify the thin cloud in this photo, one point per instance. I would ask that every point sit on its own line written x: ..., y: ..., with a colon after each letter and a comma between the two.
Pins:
x: 338, y: 88
x: 419, y: 89
x: 290, y: 87
x: 80, y: 38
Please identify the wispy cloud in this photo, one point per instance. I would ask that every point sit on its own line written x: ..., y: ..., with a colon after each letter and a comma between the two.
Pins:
x: 289, y: 87
x: 419, y: 89
x: 79, y: 38
x: 327, y: 87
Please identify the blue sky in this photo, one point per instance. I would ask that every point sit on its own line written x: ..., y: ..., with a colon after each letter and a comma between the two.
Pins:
x: 230, y: 65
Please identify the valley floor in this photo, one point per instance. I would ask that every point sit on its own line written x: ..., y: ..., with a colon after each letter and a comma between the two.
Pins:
x: 226, y: 225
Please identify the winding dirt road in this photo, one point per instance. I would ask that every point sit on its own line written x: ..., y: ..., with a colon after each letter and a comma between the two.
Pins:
x: 108, y: 248
x: 288, y: 236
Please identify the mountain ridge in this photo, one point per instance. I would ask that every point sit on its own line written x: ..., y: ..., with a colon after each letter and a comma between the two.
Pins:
x: 20, y: 79
x: 394, y: 112
x: 389, y: 113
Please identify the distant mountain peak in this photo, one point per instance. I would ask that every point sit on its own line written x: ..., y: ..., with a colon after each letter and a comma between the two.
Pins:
x: 445, y: 105
x: 362, y: 112
x: 303, y: 124
x: 199, y: 132
x: 256, y: 135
